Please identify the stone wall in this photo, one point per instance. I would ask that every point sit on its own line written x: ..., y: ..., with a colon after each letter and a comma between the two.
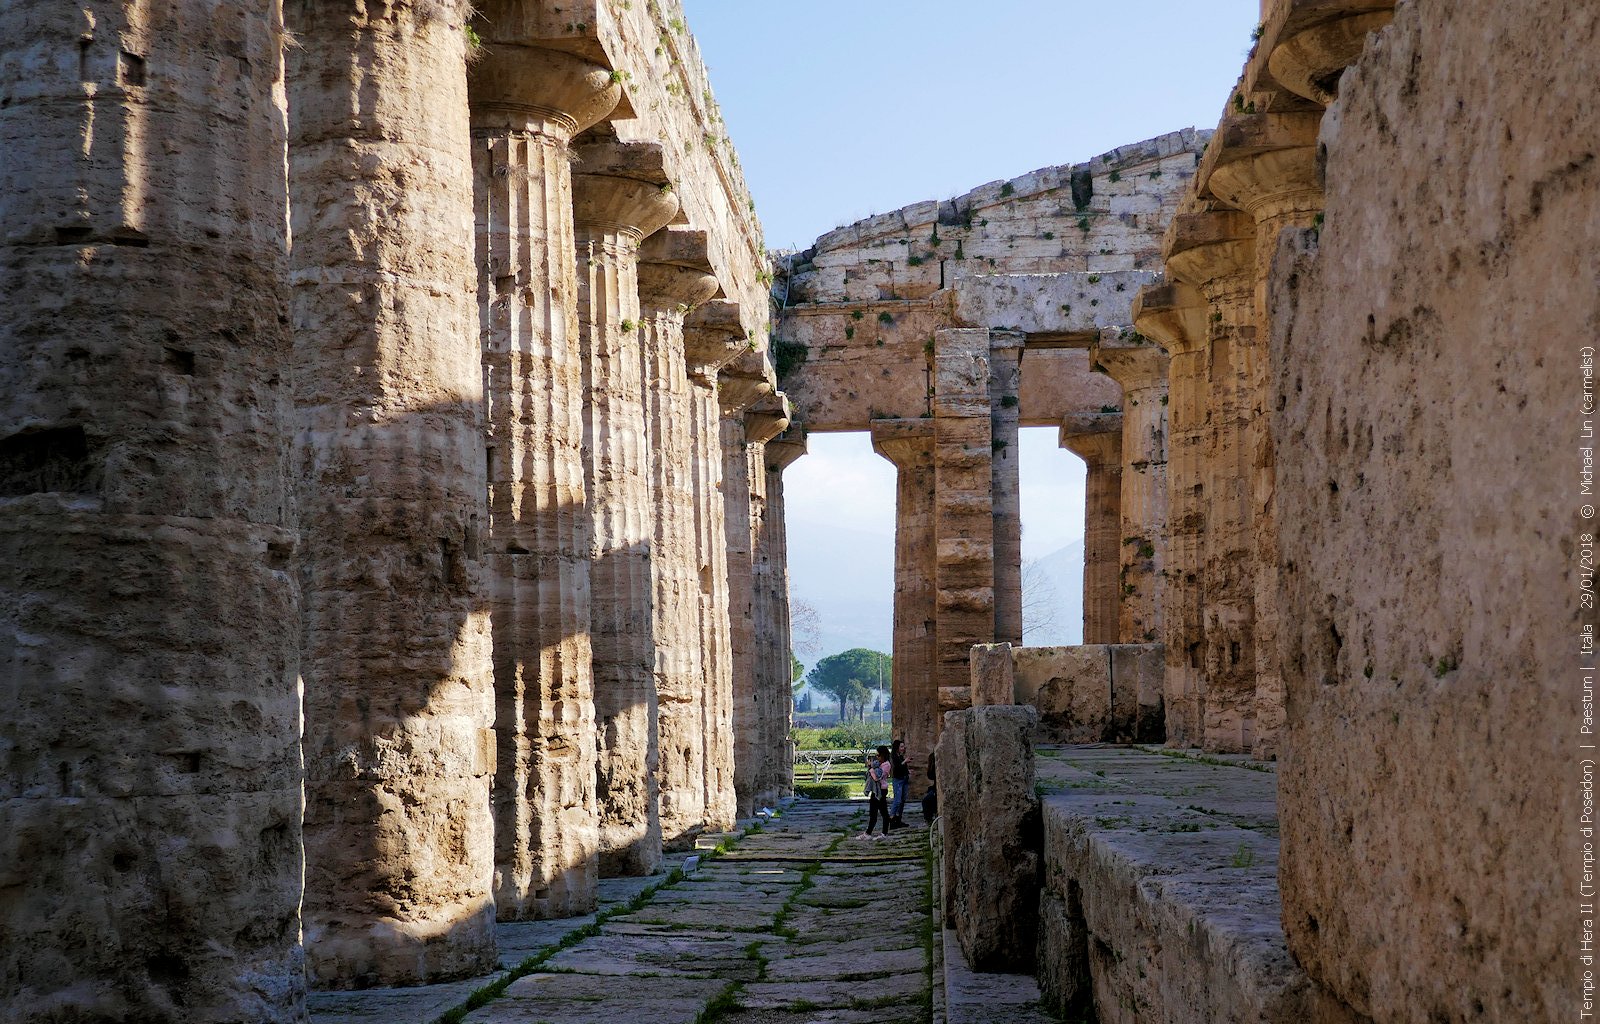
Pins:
x: 1428, y: 527
x: 1096, y: 693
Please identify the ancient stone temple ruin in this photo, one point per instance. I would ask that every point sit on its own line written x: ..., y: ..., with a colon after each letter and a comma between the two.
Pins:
x: 395, y: 400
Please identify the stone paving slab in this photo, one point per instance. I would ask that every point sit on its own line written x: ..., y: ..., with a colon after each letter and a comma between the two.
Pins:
x: 973, y: 998
x: 778, y: 929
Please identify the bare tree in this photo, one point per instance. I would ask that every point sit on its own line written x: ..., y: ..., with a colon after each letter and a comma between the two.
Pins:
x: 805, y: 628
x: 1041, y: 605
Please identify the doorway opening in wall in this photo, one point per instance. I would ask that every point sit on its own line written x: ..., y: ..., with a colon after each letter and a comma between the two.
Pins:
x: 1051, y: 489
x: 839, y: 508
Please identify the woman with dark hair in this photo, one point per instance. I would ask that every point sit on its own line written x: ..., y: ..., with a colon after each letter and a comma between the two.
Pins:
x: 899, y: 779
x: 930, y: 799
x: 877, y: 790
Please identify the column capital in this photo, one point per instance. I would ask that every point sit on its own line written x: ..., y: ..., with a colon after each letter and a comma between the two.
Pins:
x: 1130, y: 359
x: 767, y: 417
x: 607, y: 204
x: 530, y: 88
x: 623, y: 188
x: 675, y: 272
x: 1267, y: 163
x: 781, y: 451
x: 1097, y: 442
x: 742, y: 382
x: 903, y: 442
x: 1308, y: 61
x: 713, y: 336
x: 1208, y: 246
x: 1174, y: 314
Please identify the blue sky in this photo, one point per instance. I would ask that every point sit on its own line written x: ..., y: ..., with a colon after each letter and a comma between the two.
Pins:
x: 840, y: 110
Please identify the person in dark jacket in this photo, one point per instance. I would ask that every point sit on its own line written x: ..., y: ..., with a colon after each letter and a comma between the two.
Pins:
x: 900, y: 779
x: 930, y: 799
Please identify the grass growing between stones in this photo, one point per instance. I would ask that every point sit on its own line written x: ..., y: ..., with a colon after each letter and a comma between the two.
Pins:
x: 495, y: 989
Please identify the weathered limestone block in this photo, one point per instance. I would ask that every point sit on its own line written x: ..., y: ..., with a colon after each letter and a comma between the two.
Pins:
x: 991, y: 823
x: 1135, y: 362
x: 150, y: 772
x: 397, y: 664
x: 1425, y: 791
x: 1152, y: 912
x: 992, y: 681
x: 1097, y: 440
x: 612, y: 214
x: 918, y: 714
x: 1095, y: 693
x: 1215, y: 252
x: 673, y: 279
x: 527, y: 103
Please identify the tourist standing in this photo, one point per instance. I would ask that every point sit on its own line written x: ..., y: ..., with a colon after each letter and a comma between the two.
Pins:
x: 877, y: 790
x: 900, y: 779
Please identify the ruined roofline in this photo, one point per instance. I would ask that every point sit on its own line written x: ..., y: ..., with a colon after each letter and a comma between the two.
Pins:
x: 1033, y: 183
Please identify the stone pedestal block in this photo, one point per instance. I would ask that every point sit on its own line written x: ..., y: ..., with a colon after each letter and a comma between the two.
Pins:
x: 992, y: 675
x: 992, y: 840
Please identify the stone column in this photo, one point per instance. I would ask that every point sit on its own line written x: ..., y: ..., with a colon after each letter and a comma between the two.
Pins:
x: 673, y: 278
x: 1137, y: 364
x: 150, y: 772
x: 1215, y: 253
x: 752, y: 707
x: 772, y: 577
x: 399, y: 685
x: 1005, y: 377
x: 743, y: 429
x: 917, y: 717
x: 1097, y: 440
x: 526, y: 105
x: 611, y: 216
x: 1175, y: 316
x: 1277, y: 184
x: 682, y: 771
x: 963, y: 508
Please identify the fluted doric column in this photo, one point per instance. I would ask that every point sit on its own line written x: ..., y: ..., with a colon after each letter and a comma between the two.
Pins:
x: 674, y: 277
x: 1005, y: 417
x: 1097, y: 440
x: 1175, y: 316
x: 752, y: 711
x: 713, y: 336
x: 1137, y: 364
x: 399, y: 685
x: 612, y: 214
x: 1215, y: 253
x: 740, y: 386
x: 527, y: 104
x: 150, y: 773
x: 917, y: 718
x: 774, y: 683
x: 1274, y: 180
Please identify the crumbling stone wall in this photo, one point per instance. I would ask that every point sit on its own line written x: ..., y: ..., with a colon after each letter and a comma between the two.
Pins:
x: 1429, y: 519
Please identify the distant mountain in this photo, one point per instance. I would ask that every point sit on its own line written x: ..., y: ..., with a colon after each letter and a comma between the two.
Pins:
x: 848, y: 577
x: 1052, y: 598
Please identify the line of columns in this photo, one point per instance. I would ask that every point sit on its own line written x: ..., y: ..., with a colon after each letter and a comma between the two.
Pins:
x: 1258, y: 179
x: 469, y: 498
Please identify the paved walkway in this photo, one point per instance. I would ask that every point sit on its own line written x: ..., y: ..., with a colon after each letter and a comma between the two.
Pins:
x: 801, y: 922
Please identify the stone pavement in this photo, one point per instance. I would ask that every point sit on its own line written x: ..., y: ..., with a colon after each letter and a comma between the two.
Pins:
x: 801, y: 922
